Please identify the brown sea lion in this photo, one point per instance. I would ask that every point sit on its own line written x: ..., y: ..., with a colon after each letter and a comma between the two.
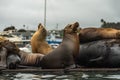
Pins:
x: 63, y: 55
x: 6, y: 51
x: 38, y: 41
x: 93, y: 34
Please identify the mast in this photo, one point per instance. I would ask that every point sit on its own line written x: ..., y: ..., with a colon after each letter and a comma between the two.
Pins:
x: 45, y: 13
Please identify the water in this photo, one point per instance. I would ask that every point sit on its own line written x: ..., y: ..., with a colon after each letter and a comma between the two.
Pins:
x: 62, y: 76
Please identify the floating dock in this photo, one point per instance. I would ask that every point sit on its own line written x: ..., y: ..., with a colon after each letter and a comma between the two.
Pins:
x: 39, y: 70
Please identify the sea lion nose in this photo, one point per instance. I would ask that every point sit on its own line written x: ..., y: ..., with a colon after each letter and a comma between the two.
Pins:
x: 75, y: 26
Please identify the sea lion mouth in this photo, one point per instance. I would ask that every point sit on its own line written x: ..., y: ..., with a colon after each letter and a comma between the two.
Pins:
x: 75, y: 26
x: 44, y: 30
x: 71, y: 28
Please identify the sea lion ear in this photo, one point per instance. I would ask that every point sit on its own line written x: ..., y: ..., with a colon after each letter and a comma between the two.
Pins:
x: 39, y: 25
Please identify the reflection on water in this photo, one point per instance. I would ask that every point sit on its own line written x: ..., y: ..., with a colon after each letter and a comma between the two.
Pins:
x: 63, y: 76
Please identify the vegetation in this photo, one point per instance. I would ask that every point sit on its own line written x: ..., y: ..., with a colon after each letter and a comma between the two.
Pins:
x: 110, y: 24
x: 10, y: 28
x: 21, y: 30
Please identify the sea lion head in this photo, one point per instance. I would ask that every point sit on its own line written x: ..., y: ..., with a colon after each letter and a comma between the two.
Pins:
x: 42, y: 31
x: 71, y: 28
x: 12, y: 56
x: 12, y: 61
x: 11, y: 47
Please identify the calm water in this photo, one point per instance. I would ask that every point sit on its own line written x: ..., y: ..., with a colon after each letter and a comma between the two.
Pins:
x: 62, y: 76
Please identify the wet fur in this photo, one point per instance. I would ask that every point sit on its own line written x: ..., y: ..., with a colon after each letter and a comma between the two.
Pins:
x: 30, y: 59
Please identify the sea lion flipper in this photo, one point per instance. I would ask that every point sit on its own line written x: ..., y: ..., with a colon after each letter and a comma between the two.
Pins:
x: 71, y: 66
x: 96, y: 59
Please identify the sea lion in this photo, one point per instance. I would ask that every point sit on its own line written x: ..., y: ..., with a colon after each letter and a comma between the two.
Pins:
x: 38, y: 41
x: 26, y: 58
x: 9, y: 51
x: 102, y: 53
x: 94, y: 34
x: 63, y: 55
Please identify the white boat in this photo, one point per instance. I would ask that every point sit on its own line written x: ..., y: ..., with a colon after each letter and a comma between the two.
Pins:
x: 27, y: 48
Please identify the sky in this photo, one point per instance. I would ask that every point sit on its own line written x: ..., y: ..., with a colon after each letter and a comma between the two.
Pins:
x: 59, y: 13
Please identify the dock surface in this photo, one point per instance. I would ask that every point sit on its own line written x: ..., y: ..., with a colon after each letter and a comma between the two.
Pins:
x: 34, y: 69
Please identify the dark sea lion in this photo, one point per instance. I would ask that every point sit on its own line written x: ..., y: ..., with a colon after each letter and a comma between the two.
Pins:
x: 38, y: 41
x: 63, y: 55
x: 102, y: 53
x: 94, y: 34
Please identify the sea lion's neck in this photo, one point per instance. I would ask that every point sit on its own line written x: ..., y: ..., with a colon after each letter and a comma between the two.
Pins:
x: 68, y: 37
x: 41, y: 37
x: 74, y: 40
